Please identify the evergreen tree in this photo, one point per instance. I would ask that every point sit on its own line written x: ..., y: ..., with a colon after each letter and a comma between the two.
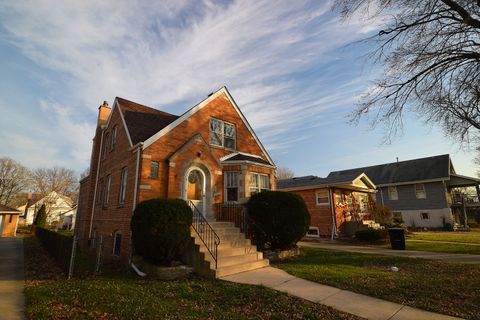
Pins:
x: 41, y: 218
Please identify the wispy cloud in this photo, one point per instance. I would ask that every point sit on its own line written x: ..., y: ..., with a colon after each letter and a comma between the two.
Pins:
x: 172, y: 53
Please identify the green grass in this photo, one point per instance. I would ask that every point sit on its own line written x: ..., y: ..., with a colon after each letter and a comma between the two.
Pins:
x: 441, y: 287
x: 441, y: 247
x: 49, y: 296
x: 447, y: 236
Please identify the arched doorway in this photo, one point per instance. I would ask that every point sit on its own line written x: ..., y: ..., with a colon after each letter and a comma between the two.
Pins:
x: 196, y: 187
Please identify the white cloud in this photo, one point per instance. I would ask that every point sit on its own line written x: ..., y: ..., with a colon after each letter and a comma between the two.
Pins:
x: 171, y: 52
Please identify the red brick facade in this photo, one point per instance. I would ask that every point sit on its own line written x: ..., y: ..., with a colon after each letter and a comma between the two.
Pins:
x: 184, y: 146
x: 8, y: 224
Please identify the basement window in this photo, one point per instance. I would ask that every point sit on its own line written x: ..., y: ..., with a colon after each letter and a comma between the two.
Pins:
x: 313, y: 232
x: 425, y: 216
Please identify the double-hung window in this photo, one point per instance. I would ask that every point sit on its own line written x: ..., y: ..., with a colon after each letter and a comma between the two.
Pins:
x: 322, y: 197
x: 231, y: 185
x: 154, y: 169
x: 117, y: 242
x: 100, y: 192
x: 420, y: 192
x: 259, y: 182
x: 106, y: 191
x: 392, y: 193
x: 105, y: 145
x: 222, y: 134
x: 123, y: 186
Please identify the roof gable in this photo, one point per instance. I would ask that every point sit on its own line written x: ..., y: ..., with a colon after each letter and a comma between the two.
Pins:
x: 424, y: 169
x: 359, y: 180
x: 199, y: 106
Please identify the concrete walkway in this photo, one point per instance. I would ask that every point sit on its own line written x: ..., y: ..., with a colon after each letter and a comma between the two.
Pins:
x: 12, y: 279
x: 450, y: 257
x: 347, y: 301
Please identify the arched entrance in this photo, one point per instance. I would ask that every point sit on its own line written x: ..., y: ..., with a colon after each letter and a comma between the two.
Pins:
x: 195, y: 188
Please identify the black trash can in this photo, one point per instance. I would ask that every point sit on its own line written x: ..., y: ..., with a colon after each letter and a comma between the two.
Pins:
x: 397, y: 238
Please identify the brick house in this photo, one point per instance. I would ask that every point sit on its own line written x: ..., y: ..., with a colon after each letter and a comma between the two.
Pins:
x: 207, y: 156
x: 336, y: 205
x: 8, y: 221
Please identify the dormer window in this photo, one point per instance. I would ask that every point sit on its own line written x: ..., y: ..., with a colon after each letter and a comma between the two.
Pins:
x: 222, y: 134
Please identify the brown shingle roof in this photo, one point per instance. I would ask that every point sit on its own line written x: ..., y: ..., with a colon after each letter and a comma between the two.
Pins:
x: 244, y: 157
x: 4, y: 208
x: 142, y: 121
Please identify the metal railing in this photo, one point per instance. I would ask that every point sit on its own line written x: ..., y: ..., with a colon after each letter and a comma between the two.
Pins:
x: 238, y: 214
x: 206, y: 233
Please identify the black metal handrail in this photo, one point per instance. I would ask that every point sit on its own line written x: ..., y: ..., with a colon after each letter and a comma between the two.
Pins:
x: 205, y: 231
x: 238, y: 214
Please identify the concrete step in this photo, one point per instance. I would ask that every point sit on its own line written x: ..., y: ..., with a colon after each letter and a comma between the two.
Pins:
x: 221, y: 224
x: 226, y: 230
x: 234, y: 260
x: 226, y: 271
x: 231, y: 243
x: 235, y: 251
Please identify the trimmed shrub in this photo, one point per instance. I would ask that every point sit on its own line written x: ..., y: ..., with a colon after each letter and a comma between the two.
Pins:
x: 161, y: 230
x: 283, y: 216
x: 370, y: 234
x: 41, y: 217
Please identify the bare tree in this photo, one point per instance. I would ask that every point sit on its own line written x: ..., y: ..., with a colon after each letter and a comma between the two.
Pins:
x: 14, y: 179
x: 284, y: 173
x: 430, y: 50
x: 61, y: 180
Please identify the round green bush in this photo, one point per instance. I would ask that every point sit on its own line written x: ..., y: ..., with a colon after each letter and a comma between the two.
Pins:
x: 41, y: 217
x: 370, y: 234
x: 161, y: 230
x: 283, y: 217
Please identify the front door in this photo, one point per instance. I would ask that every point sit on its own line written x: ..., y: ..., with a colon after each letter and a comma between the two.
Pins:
x: 196, y: 189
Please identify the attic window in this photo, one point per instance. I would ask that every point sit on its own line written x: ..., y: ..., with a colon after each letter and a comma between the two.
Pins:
x: 222, y: 134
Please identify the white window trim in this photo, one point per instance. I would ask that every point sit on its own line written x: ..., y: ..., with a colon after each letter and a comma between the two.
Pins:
x: 416, y: 192
x: 158, y: 169
x: 223, y: 134
x: 225, y: 181
x: 390, y: 193
x: 123, y: 186
x: 322, y: 203
x: 108, y: 182
x: 258, y: 186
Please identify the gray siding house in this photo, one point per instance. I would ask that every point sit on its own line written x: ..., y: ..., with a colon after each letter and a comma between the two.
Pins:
x: 420, y: 190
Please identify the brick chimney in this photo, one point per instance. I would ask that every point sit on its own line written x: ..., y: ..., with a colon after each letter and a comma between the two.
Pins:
x: 103, y: 114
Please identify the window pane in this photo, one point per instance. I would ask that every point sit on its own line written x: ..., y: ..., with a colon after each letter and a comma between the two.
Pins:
x: 232, y: 194
x: 229, y: 130
x: 229, y: 143
x: 216, y: 126
x: 264, y: 183
x: 154, y: 169
x: 254, y: 180
x: 216, y: 134
x: 232, y: 179
x: 322, y: 197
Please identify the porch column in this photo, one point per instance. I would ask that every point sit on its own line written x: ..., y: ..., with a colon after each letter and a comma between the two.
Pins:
x: 478, y: 192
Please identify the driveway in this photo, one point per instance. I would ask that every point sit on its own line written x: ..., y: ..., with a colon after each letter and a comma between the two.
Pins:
x: 12, y: 279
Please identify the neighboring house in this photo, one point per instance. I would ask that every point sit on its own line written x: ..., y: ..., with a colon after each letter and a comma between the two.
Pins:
x: 209, y: 155
x: 419, y: 190
x: 57, y: 206
x: 336, y: 205
x: 8, y: 221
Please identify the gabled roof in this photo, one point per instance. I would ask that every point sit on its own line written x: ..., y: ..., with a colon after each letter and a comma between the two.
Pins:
x: 141, y: 121
x: 241, y: 156
x: 6, y: 209
x: 310, y: 182
x: 198, y: 107
x: 435, y: 168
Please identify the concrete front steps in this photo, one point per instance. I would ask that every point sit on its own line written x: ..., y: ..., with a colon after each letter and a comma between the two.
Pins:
x: 235, y: 253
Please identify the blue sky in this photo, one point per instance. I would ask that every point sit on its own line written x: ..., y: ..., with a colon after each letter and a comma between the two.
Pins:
x: 290, y: 65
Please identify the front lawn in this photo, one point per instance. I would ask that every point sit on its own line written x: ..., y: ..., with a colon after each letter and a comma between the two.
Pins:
x: 463, y: 237
x: 436, y: 246
x: 49, y: 296
x: 441, y: 287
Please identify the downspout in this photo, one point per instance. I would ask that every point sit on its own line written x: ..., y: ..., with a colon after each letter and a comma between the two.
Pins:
x: 96, y: 183
x: 137, y: 169
x: 332, y: 206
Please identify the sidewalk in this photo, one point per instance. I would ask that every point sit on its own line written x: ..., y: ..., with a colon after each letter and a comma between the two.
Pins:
x: 12, y: 279
x: 450, y: 257
x: 347, y: 301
